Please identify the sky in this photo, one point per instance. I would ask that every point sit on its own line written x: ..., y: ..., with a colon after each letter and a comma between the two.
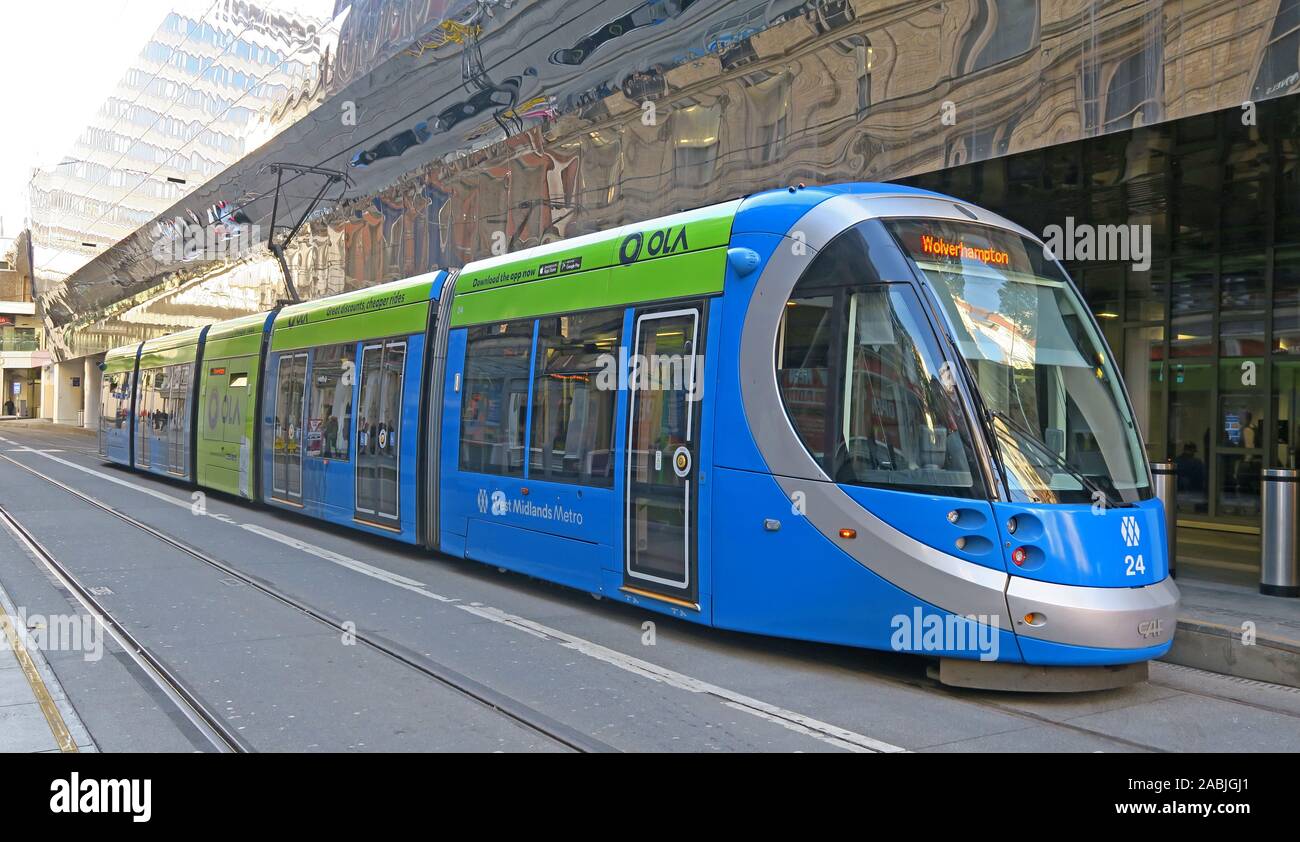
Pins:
x: 59, y: 60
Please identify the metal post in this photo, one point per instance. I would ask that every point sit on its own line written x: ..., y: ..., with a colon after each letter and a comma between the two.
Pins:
x: 1165, y: 476
x: 1279, y: 574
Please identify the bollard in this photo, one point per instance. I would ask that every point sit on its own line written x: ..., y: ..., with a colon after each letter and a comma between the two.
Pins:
x: 1278, y: 572
x: 1165, y: 477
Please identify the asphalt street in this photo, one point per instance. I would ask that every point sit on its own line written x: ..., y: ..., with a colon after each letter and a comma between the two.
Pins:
x: 286, y: 681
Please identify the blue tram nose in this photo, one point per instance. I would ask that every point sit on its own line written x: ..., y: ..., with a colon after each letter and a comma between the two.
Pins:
x: 1089, y: 584
x: 1084, y: 545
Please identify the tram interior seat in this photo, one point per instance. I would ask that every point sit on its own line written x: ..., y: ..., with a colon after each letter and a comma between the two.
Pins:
x: 599, y: 463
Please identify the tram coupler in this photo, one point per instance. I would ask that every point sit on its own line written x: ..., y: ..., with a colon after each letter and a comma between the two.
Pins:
x: 1027, y: 678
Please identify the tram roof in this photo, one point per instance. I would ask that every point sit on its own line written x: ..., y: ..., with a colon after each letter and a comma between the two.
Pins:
x: 172, y: 340
x: 120, y: 358
x: 677, y: 255
x: 416, y: 288
x: 241, y: 326
x: 706, y: 227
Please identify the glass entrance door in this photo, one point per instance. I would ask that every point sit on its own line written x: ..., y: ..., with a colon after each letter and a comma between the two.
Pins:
x: 661, y: 454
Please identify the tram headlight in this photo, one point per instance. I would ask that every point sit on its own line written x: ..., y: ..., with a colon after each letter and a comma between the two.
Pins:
x: 1012, y: 525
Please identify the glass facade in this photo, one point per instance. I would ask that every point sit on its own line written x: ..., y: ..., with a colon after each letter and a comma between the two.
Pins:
x: 200, y: 95
x: 1208, y: 334
x: 470, y: 127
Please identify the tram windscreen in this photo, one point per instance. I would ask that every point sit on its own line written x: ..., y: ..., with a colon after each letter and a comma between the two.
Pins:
x: 1048, y: 385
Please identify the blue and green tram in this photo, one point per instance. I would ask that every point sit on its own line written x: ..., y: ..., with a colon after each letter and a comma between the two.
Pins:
x: 861, y: 414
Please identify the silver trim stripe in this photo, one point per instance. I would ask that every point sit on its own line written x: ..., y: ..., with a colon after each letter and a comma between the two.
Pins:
x: 1108, y: 618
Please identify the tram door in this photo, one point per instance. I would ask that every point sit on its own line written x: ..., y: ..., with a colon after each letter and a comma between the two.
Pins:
x: 144, y: 417
x: 378, y: 424
x: 177, y: 418
x: 286, y: 468
x: 664, y: 389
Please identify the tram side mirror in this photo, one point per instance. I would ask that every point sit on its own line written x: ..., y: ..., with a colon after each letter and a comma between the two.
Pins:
x: 103, y: 366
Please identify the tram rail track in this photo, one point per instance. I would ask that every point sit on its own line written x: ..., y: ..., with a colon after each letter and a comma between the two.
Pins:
x: 222, y: 736
x: 209, y: 723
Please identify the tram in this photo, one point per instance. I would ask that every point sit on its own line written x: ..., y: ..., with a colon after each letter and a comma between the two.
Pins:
x: 861, y: 414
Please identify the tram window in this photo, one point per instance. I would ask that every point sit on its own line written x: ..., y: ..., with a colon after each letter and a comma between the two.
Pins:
x: 803, y: 367
x: 494, y: 413
x: 329, y: 416
x: 573, y: 409
x: 175, y: 415
x: 116, y: 403
x: 858, y: 370
x: 160, y: 400
x: 147, y: 401
x: 896, y: 424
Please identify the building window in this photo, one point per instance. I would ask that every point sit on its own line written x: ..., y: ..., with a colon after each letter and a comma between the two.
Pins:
x: 1001, y: 30
x: 1279, y: 69
x: 769, y: 98
x: 695, y: 144
x: 1286, y: 301
x: 1133, y: 93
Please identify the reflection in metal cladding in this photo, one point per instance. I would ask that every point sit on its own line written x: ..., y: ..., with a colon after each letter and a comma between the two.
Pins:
x: 483, y: 127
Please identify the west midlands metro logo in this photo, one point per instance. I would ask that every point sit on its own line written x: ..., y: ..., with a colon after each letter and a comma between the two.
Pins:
x: 1128, y: 528
x: 497, y: 502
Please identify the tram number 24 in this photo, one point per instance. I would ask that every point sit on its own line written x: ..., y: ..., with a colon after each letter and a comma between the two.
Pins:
x: 1134, y: 565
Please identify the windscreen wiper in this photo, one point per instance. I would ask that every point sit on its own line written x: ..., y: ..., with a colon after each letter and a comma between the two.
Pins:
x: 1059, y: 461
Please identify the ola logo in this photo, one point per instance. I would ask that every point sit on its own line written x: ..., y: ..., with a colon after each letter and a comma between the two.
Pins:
x: 662, y: 242
x: 631, y: 248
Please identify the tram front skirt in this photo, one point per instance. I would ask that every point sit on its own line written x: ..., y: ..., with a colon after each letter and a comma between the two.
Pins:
x: 1025, y: 678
